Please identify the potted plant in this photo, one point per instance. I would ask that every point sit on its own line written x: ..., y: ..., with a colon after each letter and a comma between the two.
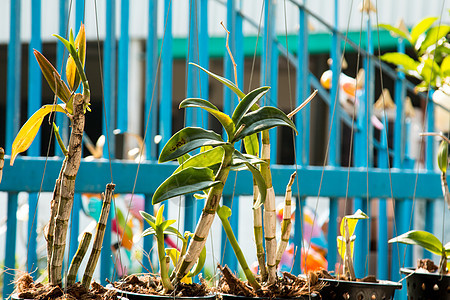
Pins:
x: 346, y: 285
x: 74, y: 106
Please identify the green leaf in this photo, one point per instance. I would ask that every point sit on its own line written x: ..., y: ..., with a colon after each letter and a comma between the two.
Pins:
x: 31, y: 127
x: 187, y: 181
x: 164, y: 225
x: 223, y: 80
x: 420, y: 238
x: 251, y: 144
x: 151, y: 220
x: 420, y: 28
x: 159, y: 216
x: 203, y: 159
x: 443, y: 156
x: 188, y: 139
x: 237, y: 164
x: 200, y: 263
x: 224, y: 119
x: 262, y: 119
x: 149, y: 231
x: 64, y: 41
x: 247, y: 102
x: 173, y: 231
x: 262, y: 187
x: 396, y: 31
x: 53, y: 78
x: 73, y: 78
x: 405, y: 62
x: 445, y: 66
x: 434, y: 35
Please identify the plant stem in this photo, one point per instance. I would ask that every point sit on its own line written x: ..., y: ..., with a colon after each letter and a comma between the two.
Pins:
x: 2, y: 162
x: 238, y: 252
x: 99, y: 234
x: 58, y: 138
x: 67, y: 188
x: 207, y: 217
x: 163, y: 268
x: 258, y: 233
x: 78, y: 258
x: 445, y: 191
x: 269, y: 211
x: 348, y: 261
x: 286, y: 224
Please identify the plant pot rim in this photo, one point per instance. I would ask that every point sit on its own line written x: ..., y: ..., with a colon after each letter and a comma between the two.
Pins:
x: 313, y: 296
x: 410, y: 271
x: 159, y: 297
x: 380, y: 283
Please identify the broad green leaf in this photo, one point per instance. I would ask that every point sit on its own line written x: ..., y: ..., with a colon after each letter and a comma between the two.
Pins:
x: 251, y: 144
x: 173, y: 231
x: 159, y: 216
x: 420, y: 28
x: 396, y: 31
x: 445, y: 66
x: 64, y: 41
x: 183, y: 158
x: 433, y: 35
x: 200, y: 263
x: 188, y: 139
x: 262, y: 119
x: 262, y: 187
x: 447, y: 249
x: 29, y: 130
x: 53, y: 78
x: 164, y: 225
x: 420, y: 238
x: 247, y: 102
x: 352, y: 220
x: 151, y: 220
x: 148, y: 231
x: 187, y: 181
x: 203, y: 159
x: 237, y: 164
x: 224, y: 119
x: 429, y: 71
x: 223, y: 80
x: 73, y: 78
x: 404, y: 61
x: 443, y: 156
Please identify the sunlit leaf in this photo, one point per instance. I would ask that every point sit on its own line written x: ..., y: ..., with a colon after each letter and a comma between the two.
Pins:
x: 73, y: 78
x: 264, y: 118
x: 223, y: 80
x: 186, y: 181
x: 237, y: 164
x: 251, y: 144
x: 53, y: 78
x: 174, y: 255
x: 173, y: 231
x: 405, y: 62
x: 352, y: 220
x: 164, y: 225
x: 433, y: 35
x: 443, y: 156
x: 188, y: 139
x: 421, y: 238
x: 247, y: 102
x: 203, y: 159
x: 200, y: 263
x: 262, y: 187
x: 445, y: 66
x: 29, y: 130
x: 420, y: 28
x: 151, y: 220
x: 342, y: 247
x: 148, y: 231
x: 224, y: 119
x: 159, y: 215
x: 396, y: 31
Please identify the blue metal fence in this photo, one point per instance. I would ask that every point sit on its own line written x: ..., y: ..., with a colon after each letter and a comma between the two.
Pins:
x: 26, y: 174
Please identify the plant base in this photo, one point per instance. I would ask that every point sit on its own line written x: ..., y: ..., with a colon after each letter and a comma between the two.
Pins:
x: 124, y: 295
x: 426, y: 285
x: 234, y: 297
x: 341, y: 289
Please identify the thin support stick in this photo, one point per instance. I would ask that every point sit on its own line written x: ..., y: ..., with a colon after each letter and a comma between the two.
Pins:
x: 231, y: 55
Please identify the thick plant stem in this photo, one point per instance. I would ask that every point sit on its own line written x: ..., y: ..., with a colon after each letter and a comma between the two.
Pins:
x: 163, y: 266
x: 50, y: 228
x: 2, y: 162
x: 68, y: 188
x: 286, y: 224
x: 269, y: 211
x: 237, y: 249
x: 348, y: 261
x: 207, y: 217
x: 99, y: 234
x: 78, y: 258
x: 258, y: 234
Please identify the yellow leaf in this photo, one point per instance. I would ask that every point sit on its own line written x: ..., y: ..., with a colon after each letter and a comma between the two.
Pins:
x: 352, y: 220
x: 174, y: 255
x: 73, y: 78
x: 29, y: 130
x: 342, y: 247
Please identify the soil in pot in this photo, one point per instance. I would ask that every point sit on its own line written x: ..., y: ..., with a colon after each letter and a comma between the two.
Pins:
x: 143, y: 286
x: 367, y: 288
x: 27, y: 289
x: 288, y: 286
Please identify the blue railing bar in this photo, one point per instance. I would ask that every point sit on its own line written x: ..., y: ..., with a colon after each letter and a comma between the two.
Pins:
x: 428, y: 181
x: 122, y: 68
x: 150, y: 78
x: 382, y: 241
x: 10, y: 245
x: 148, y: 240
x: 378, y: 145
x: 298, y: 238
x: 165, y: 108
x: 326, y: 97
x: 399, y: 96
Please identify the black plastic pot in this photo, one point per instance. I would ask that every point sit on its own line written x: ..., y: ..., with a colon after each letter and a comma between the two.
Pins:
x: 426, y: 285
x: 124, y: 295
x: 234, y: 297
x: 341, y: 289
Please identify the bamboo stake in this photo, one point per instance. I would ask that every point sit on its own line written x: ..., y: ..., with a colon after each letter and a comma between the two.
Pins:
x: 68, y: 188
x: 286, y: 224
x: 269, y: 211
x: 258, y: 233
x: 78, y: 258
x: 99, y: 234
x: 2, y: 162
x: 207, y: 217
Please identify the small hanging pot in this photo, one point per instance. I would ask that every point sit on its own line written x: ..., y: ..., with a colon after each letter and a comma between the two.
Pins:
x: 342, y: 289
x: 426, y: 285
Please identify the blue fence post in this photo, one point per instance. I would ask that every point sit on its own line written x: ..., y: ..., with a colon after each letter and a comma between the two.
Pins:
x: 269, y: 67
x: 148, y: 240
x: 122, y: 68
x: 165, y: 107
x: 10, y: 247
x: 382, y: 243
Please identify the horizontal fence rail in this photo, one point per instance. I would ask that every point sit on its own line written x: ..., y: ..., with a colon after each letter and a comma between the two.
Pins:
x: 154, y: 83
